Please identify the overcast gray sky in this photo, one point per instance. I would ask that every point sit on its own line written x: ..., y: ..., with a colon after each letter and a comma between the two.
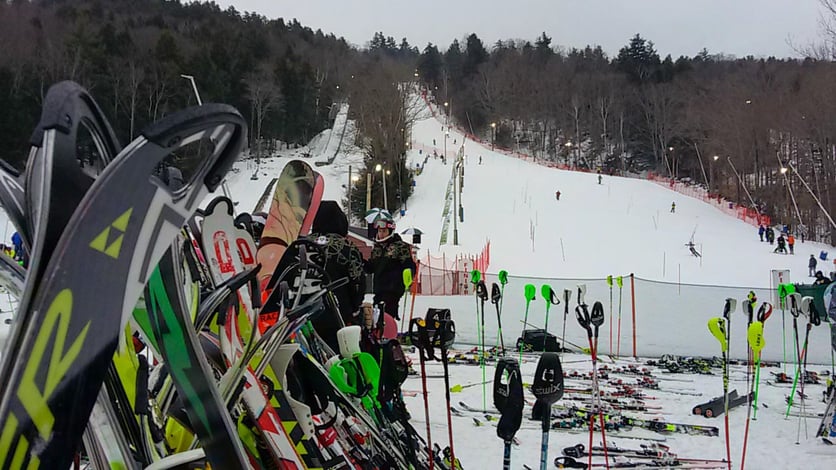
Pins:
x: 677, y: 27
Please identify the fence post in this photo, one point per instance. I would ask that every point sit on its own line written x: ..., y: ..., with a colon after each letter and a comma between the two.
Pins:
x: 633, y: 302
x: 443, y: 274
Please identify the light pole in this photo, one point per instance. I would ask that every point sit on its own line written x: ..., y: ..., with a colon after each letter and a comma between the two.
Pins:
x: 671, y: 165
x: 194, y: 87
x: 379, y: 168
x: 568, y: 145
x: 446, y: 130
x: 493, y: 135
x: 190, y: 78
x: 455, y: 206
x: 711, y: 171
x: 352, y: 178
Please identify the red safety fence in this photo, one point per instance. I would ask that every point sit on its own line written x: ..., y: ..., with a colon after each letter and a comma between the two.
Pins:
x: 443, y: 275
x: 746, y: 214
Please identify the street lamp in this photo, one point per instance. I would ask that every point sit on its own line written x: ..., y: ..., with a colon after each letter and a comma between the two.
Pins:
x: 194, y: 87
x: 493, y: 134
x: 711, y: 172
x: 378, y: 167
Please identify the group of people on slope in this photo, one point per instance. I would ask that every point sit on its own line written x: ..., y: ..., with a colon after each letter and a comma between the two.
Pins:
x: 389, y: 258
x: 782, y: 241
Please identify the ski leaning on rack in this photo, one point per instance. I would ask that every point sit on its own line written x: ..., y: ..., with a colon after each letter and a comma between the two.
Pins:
x: 122, y: 226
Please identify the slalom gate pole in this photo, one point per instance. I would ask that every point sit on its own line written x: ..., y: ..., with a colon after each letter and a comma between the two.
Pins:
x: 633, y: 300
x: 764, y: 312
x: 567, y: 294
x: 619, y: 281
x: 496, y: 298
x: 609, y: 283
x: 720, y: 328
x: 755, y: 339
x: 418, y: 337
x: 529, y: 291
x: 453, y: 464
x: 503, y: 279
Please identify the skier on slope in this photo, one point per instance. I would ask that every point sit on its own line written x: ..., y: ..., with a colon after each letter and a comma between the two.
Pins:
x: 791, y: 243
x: 673, y: 207
x: 770, y: 235
x: 761, y: 231
x: 390, y: 256
x: 811, y: 265
x: 781, y: 248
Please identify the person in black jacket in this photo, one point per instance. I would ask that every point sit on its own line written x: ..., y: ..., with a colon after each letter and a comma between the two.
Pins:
x: 341, y: 259
x: 390, y: 257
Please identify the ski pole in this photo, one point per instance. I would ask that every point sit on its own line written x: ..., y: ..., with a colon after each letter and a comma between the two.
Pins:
x: 503, y: 279
x: 407, y: 283
x: 586, y: 322
x: 764, y: 312
x: 530, y: 291
x: 619, y: 280
x: 482, y: 294
x: 496, y: 299
x: 609, y: 283
x: 418, y: 337
x: 567, y: 294
x: 756, y: 342
x: 794, y: 311
x: 447, y: 335
x: 548, y: 295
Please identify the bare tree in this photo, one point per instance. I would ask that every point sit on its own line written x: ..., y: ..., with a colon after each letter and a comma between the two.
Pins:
x: 264, y: 95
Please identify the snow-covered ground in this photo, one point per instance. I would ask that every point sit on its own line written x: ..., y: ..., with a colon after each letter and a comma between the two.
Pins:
x: 771, y: 437
x: 619, y: 227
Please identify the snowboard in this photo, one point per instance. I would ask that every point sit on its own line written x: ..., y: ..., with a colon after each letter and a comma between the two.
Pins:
x: 294, y: 204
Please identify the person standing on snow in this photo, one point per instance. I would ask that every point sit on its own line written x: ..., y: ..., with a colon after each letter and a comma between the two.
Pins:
x: 812, y: 265
x: 390, y: 257
x: 791, y: 243
x: 770, y: 235
x: 761, y: 231
x: 673, y: 207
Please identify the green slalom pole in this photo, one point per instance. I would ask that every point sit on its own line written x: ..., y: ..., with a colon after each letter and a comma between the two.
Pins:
x: 475, y: 277
x: 782, y: 296
x: 609, y: 283
x: 530, y: 291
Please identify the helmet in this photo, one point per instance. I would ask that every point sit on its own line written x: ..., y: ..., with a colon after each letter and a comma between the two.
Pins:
x: 384, y: 222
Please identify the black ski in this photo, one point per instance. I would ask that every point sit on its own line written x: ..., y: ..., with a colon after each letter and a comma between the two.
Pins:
x: 188, y: 365
x: 121, y: 227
